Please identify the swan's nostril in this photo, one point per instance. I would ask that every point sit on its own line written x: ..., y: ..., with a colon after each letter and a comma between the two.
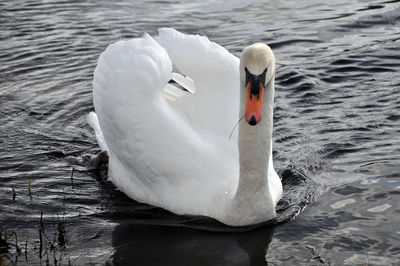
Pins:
x: 252, y: 121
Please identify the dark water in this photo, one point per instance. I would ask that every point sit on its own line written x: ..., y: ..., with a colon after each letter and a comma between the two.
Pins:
x: 337, y: 117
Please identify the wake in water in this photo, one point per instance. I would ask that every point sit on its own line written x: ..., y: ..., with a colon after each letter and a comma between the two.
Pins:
x: 298, y: 192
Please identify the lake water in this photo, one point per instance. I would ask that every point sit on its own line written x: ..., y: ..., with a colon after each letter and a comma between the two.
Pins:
x: 337, y: 115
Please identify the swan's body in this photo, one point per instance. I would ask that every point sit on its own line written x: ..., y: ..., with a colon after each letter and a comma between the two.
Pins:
x: 178, y: 155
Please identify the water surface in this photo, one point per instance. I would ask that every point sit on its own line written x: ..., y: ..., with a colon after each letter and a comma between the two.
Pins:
x: 337, y: 113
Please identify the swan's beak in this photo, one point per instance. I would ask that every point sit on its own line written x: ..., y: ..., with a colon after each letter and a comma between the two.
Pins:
x: 254, y: 102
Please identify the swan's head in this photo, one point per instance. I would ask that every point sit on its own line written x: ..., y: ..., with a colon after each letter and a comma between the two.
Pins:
x: 257, y: 69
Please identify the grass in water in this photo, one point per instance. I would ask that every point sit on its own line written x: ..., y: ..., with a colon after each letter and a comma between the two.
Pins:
x: 14, y: 194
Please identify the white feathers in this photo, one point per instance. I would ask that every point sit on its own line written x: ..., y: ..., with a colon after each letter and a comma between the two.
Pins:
x: 172, y: 92
x: 158, y: 154
x: 169, y: 147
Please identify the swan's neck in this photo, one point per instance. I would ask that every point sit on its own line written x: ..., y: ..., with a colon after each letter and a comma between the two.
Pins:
x: 254, y: 151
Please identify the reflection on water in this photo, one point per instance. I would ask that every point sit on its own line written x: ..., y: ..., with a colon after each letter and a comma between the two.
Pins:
x: 337, y: 108
x: 176, y: 246
x: 150, y: 235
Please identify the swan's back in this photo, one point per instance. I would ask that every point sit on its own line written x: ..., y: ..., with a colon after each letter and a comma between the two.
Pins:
x: 168, y: 156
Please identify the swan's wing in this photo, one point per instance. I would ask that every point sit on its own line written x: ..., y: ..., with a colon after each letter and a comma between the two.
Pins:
x: 172, y: 93
x: 183, y: 86
x: 155, y: 155
x: 215, y: 72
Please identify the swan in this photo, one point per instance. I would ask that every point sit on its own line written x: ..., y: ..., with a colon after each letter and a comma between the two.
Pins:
x: 170, y: 147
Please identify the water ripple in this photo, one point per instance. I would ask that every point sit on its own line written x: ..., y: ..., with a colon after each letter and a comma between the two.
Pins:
x: 337, y: 106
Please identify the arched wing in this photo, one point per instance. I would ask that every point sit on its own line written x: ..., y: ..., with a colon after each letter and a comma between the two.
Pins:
x: 156, y: 155
x: 215, y: 72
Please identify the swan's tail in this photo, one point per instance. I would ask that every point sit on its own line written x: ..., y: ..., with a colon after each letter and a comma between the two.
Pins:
x: 94, y: 123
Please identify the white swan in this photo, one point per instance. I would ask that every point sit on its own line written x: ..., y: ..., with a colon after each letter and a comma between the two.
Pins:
x: 176, y: 154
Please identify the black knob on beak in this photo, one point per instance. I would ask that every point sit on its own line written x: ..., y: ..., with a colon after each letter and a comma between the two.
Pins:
x: 252, y: 121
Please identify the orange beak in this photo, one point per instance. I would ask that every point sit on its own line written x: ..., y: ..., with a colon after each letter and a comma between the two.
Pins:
x: 254, y: 104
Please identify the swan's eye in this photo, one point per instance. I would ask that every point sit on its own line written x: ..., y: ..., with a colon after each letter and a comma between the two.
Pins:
x: 248, y: 75
x: 265, y: 72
